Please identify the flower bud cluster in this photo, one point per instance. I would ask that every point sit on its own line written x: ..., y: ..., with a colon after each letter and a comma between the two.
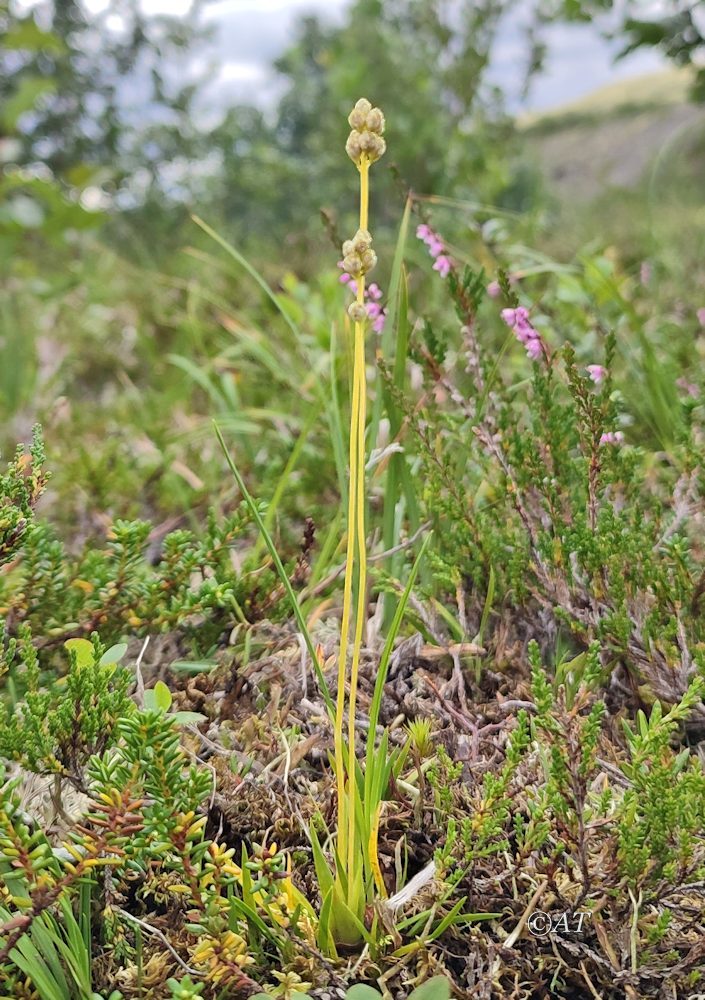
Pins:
x: 376, y: 313
x: 367, y: 124
x: 520, y: 324
x: 612, y: 437
x: 442, y: 262
x: 494, y: 289
x: 598, y: 373
x: 358, y: 255
x: 357, y: 312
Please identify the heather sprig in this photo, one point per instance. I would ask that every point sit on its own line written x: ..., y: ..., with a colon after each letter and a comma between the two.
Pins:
x: 57, y: 730
x: 567, y: 519
x: 442, y: 261
x: 143, y: 823
x: 521, y: 326
x: 120, y: 585
x: 21, y: 486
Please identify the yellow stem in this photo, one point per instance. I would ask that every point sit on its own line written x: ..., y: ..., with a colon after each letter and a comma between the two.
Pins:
x: 356, y: 514
x: 364, y: 193
x: 347, y: 607
x: 356, y: 547
x: 361, y: 582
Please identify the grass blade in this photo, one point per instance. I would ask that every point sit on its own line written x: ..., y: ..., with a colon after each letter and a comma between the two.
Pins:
x: 389, y: 644
x: 252, y: 271
x: 283, y: 479
x: 279, y: 566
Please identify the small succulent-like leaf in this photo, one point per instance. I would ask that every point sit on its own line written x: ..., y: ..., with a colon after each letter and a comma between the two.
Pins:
x: 83, y: 650
x: 188, y: 718
x: 437, y: 988
x: 158, y: 698
x: 114, y: 654
x: 361, y: 991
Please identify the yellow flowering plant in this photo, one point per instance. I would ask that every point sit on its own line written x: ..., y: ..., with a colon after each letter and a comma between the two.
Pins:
x: 355, y: 880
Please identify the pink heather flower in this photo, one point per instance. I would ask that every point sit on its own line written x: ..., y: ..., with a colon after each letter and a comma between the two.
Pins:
x: 645, y: 272
x: 373, y: 294
x: 596, y: 372
x: 510, y: 316
x: 525, y: 333
x: 436, y: 247
x: 534, y: 349
x: 690, y: 388
x: 429, y: 237
x: 493, y: 290
x: 701, y: 316
x: 518, y: 320
x: 612, y: 437
x: 442, y: 265
x: 378, y: 322
x: 377, y: 315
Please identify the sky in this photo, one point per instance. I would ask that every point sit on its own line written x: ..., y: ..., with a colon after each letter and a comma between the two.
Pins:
x: 250, y: 34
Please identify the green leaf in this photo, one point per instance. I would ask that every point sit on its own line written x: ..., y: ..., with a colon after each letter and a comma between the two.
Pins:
x: 361, y: 991
x: 193, y: 666
x: 448, y: 920
x: 188, y: 718
x: 27, y: 958
x: 114, y: 654
x: 27, y: 35
x: 323, y: 933
x: 346, y: 926
x: 163, y: 696
x: 437, y: 988
x: 283, y: 479
x: 158, y: 698
x: 323, y: 872
x: 83, y: 650
x: 250, y: 914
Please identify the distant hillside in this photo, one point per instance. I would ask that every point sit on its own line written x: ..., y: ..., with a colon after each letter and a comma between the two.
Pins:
x: 611, y: 136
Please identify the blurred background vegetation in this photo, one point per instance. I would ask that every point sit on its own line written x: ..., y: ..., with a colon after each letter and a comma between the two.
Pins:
x: 125, y: 329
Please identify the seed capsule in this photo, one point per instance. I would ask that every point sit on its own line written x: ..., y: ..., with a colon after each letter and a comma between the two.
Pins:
x: 352, y: 263
x: 359, y: 114
x: 375, y: 121
x: 369, y: 260
x: 352, y: 146
x: 362, y: 241
x: 357, y: 312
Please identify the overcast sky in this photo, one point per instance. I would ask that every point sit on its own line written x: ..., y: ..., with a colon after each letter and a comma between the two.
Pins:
x: 252, y: 33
